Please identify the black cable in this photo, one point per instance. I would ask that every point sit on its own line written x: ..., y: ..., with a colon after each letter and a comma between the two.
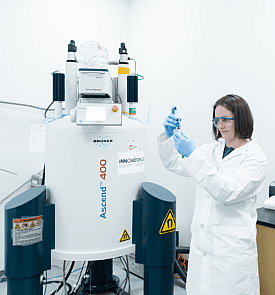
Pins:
x: 58, y: 282
x: 128, y: 274
x: 123, y: 262
x: 80, y: 288
x: 68, y: 274
x: 23, y: 105
x: 45, y: 114
x: 63, y: 277
x: 80, y: 273
x: 46, y: 284
x: 43, y: 177
x: 127, y: 278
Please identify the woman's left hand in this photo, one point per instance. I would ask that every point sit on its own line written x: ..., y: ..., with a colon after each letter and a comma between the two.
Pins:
x: 183, y: 144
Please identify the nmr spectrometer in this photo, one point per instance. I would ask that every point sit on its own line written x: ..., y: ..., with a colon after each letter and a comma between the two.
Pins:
x: 94, y: 168
x: 95, y: 157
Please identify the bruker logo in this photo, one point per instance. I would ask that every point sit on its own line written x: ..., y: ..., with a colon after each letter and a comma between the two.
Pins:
x: 105, y: 140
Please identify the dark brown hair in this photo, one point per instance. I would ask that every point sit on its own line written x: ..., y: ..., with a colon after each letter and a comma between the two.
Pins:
x: 242, y: 116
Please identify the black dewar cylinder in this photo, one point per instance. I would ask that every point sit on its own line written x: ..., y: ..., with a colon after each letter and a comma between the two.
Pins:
x: 132, y: 88
x: 154, y: 233
x: 58, y: 87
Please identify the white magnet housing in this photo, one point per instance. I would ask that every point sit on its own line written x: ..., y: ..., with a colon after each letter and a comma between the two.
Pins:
x: 93, y: 174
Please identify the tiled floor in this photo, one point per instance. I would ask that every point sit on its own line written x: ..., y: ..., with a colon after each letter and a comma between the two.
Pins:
x: 136, y: 283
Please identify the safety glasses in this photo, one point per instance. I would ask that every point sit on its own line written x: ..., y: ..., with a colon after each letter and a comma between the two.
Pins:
x: 223, y: 120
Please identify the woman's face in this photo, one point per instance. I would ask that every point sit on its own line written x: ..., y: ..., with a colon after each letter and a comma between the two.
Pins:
x: 227, y: 130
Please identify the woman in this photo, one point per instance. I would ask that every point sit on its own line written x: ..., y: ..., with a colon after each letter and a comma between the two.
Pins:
x: 229, y: 174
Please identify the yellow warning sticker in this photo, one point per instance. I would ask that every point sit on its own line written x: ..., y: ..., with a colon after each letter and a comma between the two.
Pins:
x: 123, y: 71
x: 17, y: 226
x: 125, y: 237
x: 169, y: 223
x: 32, y: 224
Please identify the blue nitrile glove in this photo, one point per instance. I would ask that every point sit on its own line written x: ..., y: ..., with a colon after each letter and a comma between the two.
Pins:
x: 170, y: 123
x: 183, y: 144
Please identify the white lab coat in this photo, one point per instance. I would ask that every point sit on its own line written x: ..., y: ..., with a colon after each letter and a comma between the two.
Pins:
x: 223, y: 252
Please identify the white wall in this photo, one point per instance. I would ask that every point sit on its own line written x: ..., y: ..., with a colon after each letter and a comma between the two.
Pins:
x: 190, y: 52
x: 35, y: 37
x: 34, y: 43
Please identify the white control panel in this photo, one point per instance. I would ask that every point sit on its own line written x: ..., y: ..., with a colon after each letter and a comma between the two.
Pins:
x: 98, y: 114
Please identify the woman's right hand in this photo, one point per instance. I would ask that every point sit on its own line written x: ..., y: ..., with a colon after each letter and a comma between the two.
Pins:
x: 170, y: 124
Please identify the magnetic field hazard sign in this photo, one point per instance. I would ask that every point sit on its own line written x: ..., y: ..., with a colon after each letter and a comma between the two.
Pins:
x: 27, y: 231
x: 168, y: 224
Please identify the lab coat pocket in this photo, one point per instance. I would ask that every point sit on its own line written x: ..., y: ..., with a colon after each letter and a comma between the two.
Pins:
x: 231, y: 243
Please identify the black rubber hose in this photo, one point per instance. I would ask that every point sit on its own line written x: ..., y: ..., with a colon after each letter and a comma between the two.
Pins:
x: 68, y: 274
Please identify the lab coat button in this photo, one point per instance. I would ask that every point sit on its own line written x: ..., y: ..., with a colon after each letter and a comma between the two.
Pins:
x: 202, y: 226
x: 207, y: 196
x: 204, y: 254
